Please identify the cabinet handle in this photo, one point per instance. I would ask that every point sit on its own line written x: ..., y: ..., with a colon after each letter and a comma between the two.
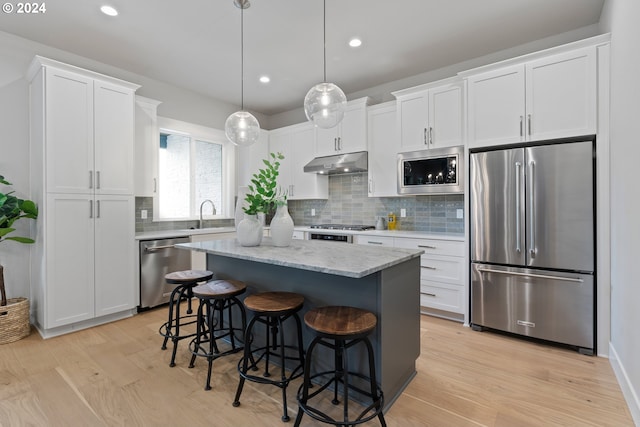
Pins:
x: 155, y: 185
x: 429, y: 267
x: 98, y: 209
x: 374, y: 243
x: 97, y: 180
x: 426, y: 246
x: 429, y: 294
x: 91, y: 179
x: 90, y: 208
x: 339, y: 143
x: 335, y: 144
x: 431, y: 135
x: 425, y: 136
x: 291, y: 190
x: 521, y: 119
x: 370, y: 186
x: 529, y: 124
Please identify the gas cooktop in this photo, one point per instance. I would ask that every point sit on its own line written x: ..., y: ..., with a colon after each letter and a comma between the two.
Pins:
x: 343, y: 227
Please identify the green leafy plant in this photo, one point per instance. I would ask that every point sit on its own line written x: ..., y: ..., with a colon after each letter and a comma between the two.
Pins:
x: 264, y: 192
x: 11, y: 210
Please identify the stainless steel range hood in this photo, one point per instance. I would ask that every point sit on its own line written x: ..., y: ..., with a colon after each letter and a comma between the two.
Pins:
x: 340, y: 163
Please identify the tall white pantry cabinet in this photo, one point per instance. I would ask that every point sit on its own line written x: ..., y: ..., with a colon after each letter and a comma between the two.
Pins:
x: 82, y: 133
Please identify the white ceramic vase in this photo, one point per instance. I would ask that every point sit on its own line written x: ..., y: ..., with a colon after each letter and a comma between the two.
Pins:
x: 241, y: 203
x: 249, y: 231
x: 281, y: 227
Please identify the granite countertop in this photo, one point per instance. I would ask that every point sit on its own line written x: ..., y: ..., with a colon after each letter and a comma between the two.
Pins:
x: 186, y: 232
x: 387, y: 233
x: 313, y: 255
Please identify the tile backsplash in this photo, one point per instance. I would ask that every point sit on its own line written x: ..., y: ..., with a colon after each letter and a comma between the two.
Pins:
x: 348, y: 203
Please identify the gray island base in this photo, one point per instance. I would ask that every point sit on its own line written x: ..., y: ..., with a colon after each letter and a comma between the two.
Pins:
x: 385, y: 281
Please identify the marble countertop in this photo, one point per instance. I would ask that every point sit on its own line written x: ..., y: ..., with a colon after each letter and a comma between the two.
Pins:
x: 185, y: 232
x: 313, y: 255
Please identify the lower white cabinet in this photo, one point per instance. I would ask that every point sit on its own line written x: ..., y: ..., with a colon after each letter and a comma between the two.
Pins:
x: 442, y: 272
x: 87, y: 259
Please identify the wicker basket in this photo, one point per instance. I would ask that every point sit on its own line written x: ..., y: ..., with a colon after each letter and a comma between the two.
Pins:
x: 14, y: 320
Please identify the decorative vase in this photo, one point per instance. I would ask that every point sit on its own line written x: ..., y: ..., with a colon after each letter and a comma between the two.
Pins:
x: 249, y: 231
x: 241, y: 203
x: 281, y: 227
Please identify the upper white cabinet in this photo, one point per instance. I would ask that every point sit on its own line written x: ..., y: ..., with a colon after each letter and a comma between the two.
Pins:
x: 249, y: 160
x: 82, y: 149
x: 550, y: 97
x: 430, y: 116
x: 383, y: 147
x: 296, y: 144
x: 147, y: 139
x: 349, y: 136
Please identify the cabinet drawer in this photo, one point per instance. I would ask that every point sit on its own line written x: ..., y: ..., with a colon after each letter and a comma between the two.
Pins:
x: 432, y: 246
x: 374, y: 240
x: 298, y: 235
x: 441, y: 296
x: 442, y: 269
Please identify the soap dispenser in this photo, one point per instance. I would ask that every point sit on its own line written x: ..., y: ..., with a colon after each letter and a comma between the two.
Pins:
x: 391, y: 221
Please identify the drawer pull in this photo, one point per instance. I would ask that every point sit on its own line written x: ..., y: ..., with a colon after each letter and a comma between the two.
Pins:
x: 427, y: 247
x: 374, y: 243
x: 428, y: 294
x: 430, y: 268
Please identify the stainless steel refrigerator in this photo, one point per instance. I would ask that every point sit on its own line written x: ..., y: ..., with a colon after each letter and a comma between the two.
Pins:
x: 532, y: 218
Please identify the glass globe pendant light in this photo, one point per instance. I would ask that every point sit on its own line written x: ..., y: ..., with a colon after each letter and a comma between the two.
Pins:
x: 241, y: 127
x: 325, y: 103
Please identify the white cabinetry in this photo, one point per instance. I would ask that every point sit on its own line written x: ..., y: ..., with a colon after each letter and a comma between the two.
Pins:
x: 442, y: 272
x: 296, y: 144
x: 349, y: 136
x: 430, y: 116
x: 249, y: 159
x: 82, y: 148
x: 551, y: 97
x: 146, y: 147
x: 383, y: 147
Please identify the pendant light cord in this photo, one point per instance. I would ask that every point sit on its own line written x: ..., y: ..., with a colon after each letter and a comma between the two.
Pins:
x: 242, y: 57
x: 324, y: 37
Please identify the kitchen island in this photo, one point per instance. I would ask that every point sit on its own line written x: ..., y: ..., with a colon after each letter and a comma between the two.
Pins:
x: 385, y: 281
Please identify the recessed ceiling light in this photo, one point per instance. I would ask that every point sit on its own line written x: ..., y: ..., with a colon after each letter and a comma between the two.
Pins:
x: 264, y: 79
x: 355, y: 42
x: 109, y: 10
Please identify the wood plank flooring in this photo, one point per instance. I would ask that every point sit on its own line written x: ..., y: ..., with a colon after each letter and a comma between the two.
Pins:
x: 116, y: 375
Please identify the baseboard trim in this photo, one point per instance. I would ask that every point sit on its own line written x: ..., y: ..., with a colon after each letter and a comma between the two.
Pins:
x: 629, y: 393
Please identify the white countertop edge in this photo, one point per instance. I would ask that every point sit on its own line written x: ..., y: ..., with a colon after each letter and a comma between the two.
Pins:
x: 327, y: 257
x: 185, y: 232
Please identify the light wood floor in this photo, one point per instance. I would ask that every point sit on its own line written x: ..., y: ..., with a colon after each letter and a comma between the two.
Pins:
x: 116, y: 375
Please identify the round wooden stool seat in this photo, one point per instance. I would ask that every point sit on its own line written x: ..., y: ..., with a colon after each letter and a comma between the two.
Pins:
x: 274, y: 303
x: 340, y: 321
x: 217, y: 289
x: 188, y: 276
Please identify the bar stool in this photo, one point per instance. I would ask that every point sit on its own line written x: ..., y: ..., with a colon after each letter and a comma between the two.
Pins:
x: 185, y: 281
x: 272, y: 309
x: 340, y: 328
x: 215, y: 297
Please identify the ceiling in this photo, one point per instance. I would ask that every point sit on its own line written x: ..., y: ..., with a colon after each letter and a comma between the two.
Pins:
x: 196, y: 44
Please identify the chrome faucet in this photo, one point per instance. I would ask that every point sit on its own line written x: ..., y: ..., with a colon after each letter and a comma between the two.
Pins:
x: 201, y: 206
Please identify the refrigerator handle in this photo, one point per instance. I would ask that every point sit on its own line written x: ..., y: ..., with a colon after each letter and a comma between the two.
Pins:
x: 534, y: 275
x: 532, y: 210
x: 518, y: 165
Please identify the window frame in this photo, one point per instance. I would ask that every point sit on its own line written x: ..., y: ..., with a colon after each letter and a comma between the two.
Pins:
x: 206, y: 134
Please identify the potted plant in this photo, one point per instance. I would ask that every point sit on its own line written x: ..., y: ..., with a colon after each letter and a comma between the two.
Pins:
x: 262, y: 194
x: 14, y: 312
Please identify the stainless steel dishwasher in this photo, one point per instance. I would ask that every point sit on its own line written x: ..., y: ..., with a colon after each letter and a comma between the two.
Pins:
x: 157, y: 258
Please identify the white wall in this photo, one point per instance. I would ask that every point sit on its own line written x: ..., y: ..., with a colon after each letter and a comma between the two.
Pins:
x: 620, y: 17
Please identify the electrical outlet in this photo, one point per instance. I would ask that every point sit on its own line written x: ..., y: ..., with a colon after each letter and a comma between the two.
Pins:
x: 403, y: 213
x: 459, y: 213
x: 143, y: 214
x: 313, y: 212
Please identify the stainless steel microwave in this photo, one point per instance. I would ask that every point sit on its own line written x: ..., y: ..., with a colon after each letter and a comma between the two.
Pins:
x: 432, y: 171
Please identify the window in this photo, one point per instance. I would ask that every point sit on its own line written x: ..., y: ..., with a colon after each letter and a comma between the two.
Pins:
x: 193, y: 167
